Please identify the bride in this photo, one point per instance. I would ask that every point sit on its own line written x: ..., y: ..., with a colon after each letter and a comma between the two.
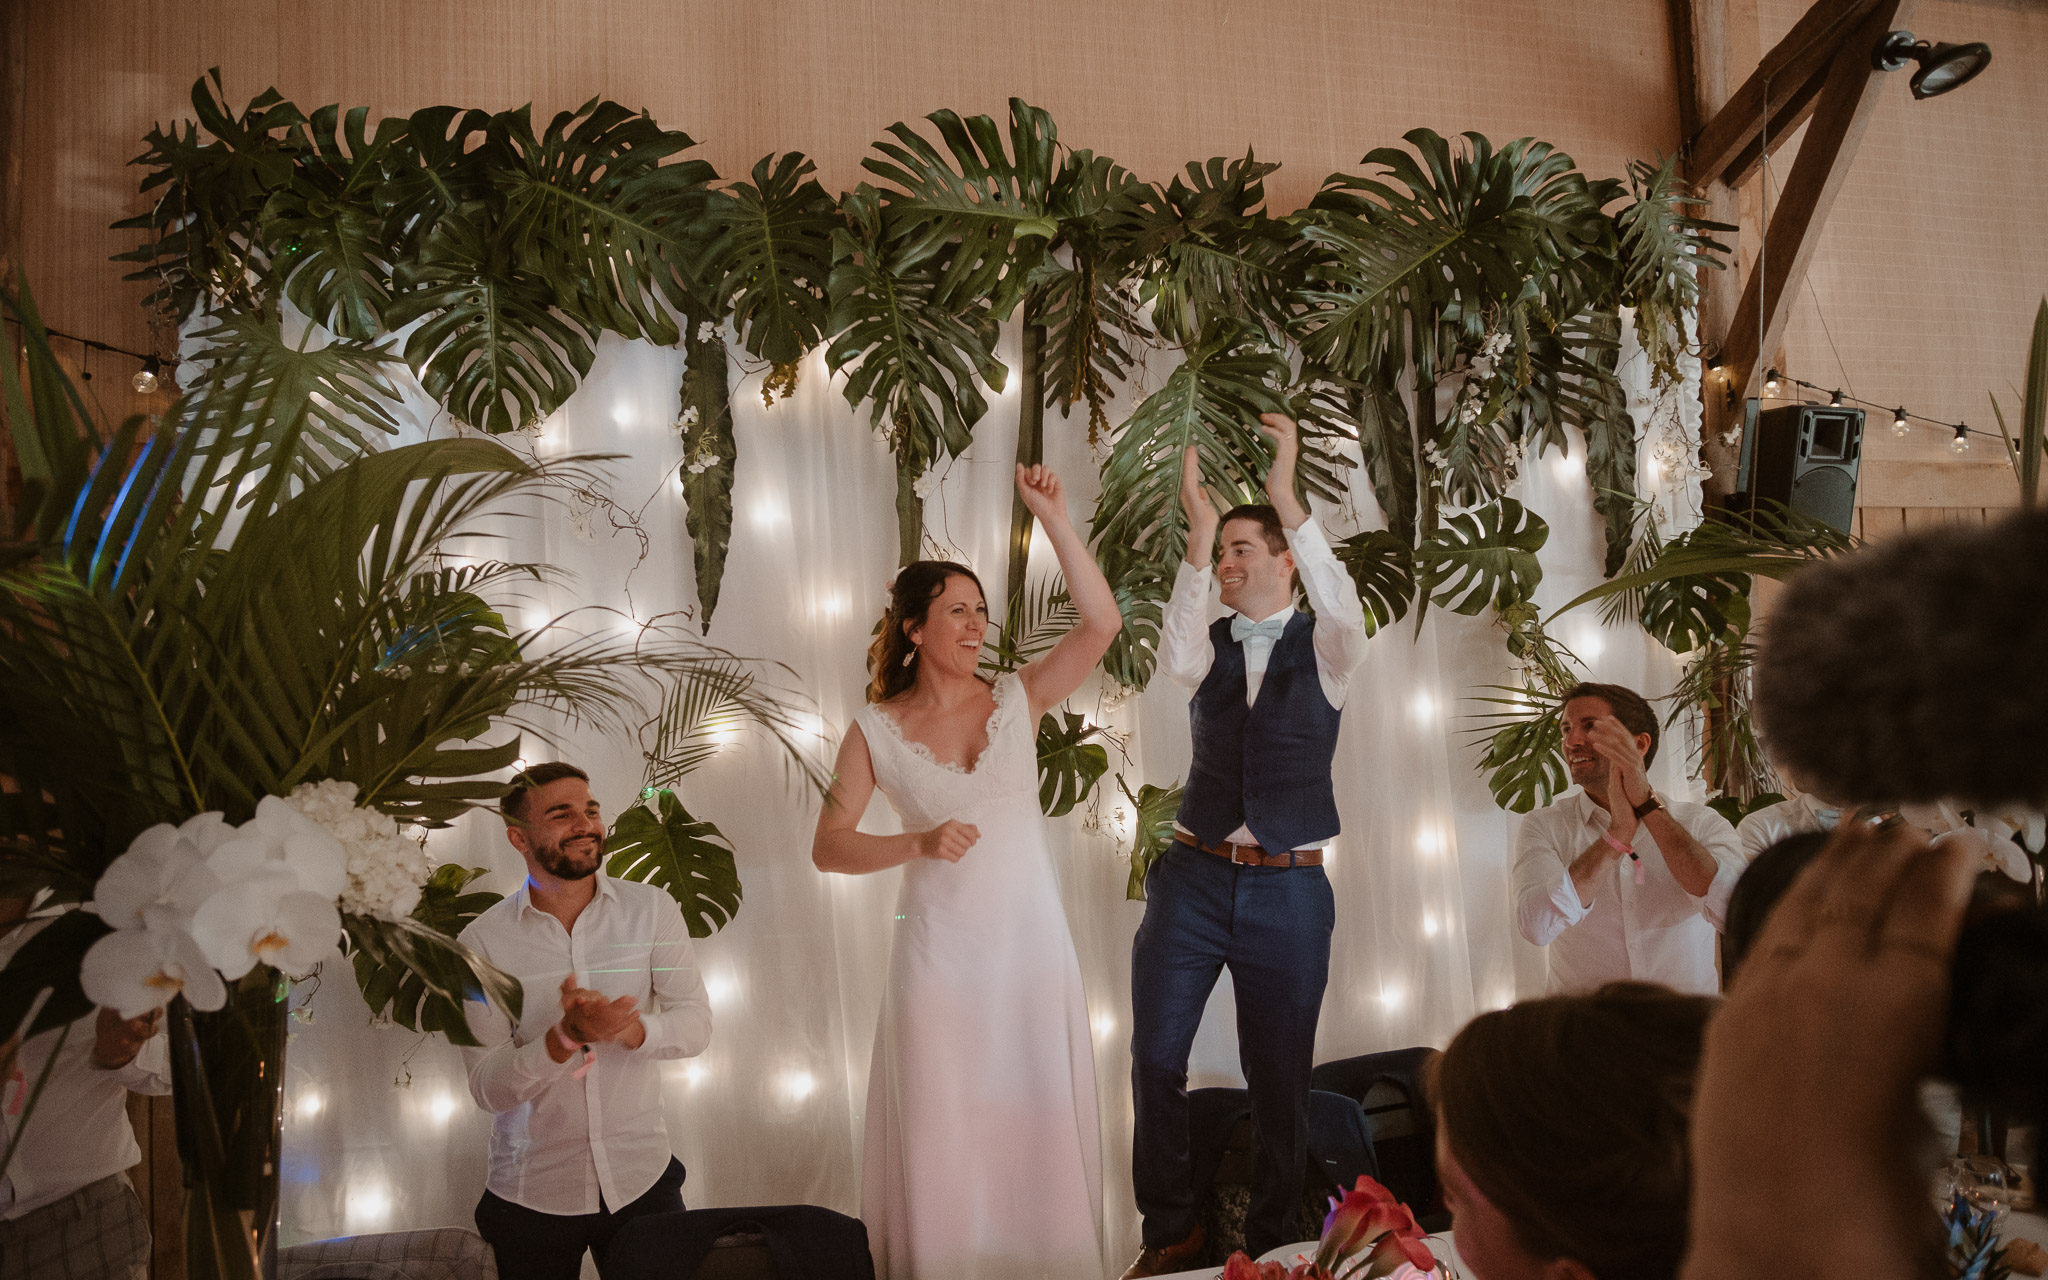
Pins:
x: 983, y: 1149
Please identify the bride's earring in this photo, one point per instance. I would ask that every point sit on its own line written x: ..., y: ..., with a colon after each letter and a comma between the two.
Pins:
x: 910, y: 657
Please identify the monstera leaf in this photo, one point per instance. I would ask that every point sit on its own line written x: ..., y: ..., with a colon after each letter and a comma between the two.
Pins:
x: 771, y: 257
x: 1142, y: 586
x: 1481, y: 558
x: 592, y: 211
x: 1068, y: 764
x: 492, y: 348
x: 663, y: 845
x: 913, y: 362
x: 1210, y: 402
x: 1152, y: 811
x: 1524, y: 759
x: 415, y: 972
x: 1208, y: 252
x: 1383, y: 567
x: 324, y: 230
x: 984, y: 204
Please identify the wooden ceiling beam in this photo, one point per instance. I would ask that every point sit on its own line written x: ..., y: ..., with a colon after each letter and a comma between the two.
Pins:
x: 1806, y: 51
x: 1841, y: 113
x: 1785, y: 117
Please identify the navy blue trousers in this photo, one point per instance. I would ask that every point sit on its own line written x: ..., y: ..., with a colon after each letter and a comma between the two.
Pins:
x: 1271, y: 926
x: 531, y: 1245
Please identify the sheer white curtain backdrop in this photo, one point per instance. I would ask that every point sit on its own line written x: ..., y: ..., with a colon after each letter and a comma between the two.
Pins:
x: 380, y: 1131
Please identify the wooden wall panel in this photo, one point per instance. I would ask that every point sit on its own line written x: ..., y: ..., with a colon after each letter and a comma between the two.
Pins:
x: 1153, y: 83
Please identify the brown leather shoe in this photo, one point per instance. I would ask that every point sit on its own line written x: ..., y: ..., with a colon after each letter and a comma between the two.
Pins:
x: 1166, y: 1259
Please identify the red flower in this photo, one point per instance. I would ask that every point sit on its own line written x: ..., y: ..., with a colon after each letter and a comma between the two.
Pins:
x: 1371, y: 1220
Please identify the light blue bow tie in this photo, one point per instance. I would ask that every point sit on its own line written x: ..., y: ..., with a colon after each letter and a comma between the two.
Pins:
x: 1242, y: 627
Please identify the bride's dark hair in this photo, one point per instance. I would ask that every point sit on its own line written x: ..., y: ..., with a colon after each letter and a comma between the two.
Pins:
x: 917, y: 584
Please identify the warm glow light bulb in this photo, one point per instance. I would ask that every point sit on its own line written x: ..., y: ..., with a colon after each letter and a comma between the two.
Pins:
x: 1392, y: 998
x: 144, y: 381
x: 1899, y: 424
x: 798, y: 1085
x: 1104, y: 1024
x: 442, y: 1107
x: 1429, y: 925
x: 310, y: 1104
x: 1961, y: 444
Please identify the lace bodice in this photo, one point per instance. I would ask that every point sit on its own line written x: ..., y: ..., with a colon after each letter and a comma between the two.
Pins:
x: 927, y: 791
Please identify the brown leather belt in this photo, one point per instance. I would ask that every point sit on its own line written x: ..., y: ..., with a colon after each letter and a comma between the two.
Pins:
x: 1251, y: 855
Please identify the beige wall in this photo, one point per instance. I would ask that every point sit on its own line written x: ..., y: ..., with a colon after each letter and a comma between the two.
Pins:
x: 1926, y: 276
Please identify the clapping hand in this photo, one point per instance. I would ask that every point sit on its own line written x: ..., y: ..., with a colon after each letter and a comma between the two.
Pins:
x: 1610, y: 738
x: 589, y: 1018
x: 1044, y: 497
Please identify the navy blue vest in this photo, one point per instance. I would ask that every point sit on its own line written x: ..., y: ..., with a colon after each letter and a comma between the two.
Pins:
x: 1265, y: 766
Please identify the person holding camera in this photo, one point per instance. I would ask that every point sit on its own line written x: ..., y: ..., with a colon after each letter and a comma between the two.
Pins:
x: 1618, y: 882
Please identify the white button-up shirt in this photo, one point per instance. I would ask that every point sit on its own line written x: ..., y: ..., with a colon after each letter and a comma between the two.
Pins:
x: 1186, y: 653
x: 79, y: 1130
x: 1772, y: 823
x: 560, y: 1141
x: 1649, y: 932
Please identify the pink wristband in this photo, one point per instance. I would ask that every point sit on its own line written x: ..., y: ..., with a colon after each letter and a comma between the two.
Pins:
x: 583, y: 1068
x: 1617, y: 845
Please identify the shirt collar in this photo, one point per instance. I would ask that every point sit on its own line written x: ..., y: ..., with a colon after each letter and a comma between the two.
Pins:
x: 523, y: 896
x: 1285, y: 611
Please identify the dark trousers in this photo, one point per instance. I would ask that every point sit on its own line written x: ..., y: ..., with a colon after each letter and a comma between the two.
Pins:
x: 532, y: 1245
x: 1272, y: 926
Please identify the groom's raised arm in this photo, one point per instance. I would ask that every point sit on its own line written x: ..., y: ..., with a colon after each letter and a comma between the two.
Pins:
x: 1340, y: 617
x: 1185, y: 653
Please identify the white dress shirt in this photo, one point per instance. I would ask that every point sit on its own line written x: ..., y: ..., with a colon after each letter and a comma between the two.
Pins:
x: 79, y: 1130
x: 1763, y: 828
x: 1649, y: 932
x: 1186, y: 653
x: 560, y: 1141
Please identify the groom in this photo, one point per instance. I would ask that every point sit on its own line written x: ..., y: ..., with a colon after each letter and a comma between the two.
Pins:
x: 1243, y: 885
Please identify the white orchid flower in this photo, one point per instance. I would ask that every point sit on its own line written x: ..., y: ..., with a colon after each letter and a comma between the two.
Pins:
x: 267, y: 918
x: 132, y: 971
x: 280, y: 839
x: 162, y: 878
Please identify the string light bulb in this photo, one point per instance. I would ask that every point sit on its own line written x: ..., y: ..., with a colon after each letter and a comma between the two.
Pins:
x: 145, y: 378
x: 1961, y: 444
x: 1899, y: 424
x: 1771, y: 380
x: 1836, y: 399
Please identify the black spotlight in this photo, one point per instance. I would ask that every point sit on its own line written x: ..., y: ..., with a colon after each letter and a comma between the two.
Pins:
x: 1942, y: 66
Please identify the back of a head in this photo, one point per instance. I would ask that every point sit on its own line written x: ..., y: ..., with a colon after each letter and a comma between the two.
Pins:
x: 1570, y: 1114
x: 1763, y: 882
x: 1911, y: 670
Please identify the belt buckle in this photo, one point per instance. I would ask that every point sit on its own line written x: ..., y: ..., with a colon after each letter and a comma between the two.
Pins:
x: 1252, y: 861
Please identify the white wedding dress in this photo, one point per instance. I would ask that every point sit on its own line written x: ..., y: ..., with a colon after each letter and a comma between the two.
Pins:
x: 983, y: 1152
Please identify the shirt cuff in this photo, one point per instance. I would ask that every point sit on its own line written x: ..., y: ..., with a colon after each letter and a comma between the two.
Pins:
x: 1187, y: 578
x: 1307, y: 539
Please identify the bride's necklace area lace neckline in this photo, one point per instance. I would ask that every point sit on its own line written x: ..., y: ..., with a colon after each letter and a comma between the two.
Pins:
x: 1000, y: 692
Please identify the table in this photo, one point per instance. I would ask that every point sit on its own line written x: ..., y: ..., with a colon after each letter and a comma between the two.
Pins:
x: 1439, y: 1244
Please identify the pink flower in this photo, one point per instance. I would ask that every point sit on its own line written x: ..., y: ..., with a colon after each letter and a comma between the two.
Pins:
x: 1371, y: 1221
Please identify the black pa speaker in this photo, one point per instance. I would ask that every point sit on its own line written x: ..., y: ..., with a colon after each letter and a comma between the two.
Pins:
x: 1805, y: 456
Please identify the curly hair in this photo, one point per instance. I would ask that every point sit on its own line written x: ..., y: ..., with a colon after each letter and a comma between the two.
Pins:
x: 1913, y: 670
x: 892, y: 658
x: 1570, y: 1114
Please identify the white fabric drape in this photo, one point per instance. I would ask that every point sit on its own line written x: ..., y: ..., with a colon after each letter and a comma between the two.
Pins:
x: 771, y: 1113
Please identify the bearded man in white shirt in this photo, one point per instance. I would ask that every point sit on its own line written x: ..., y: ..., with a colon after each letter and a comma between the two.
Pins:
x: 67, y: 1209
x: 1618, y: 882
x: 579, y: 1146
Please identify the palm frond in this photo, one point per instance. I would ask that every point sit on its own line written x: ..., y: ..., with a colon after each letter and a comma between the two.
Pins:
x: 1771, y: 541
x: 1663, y: 250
